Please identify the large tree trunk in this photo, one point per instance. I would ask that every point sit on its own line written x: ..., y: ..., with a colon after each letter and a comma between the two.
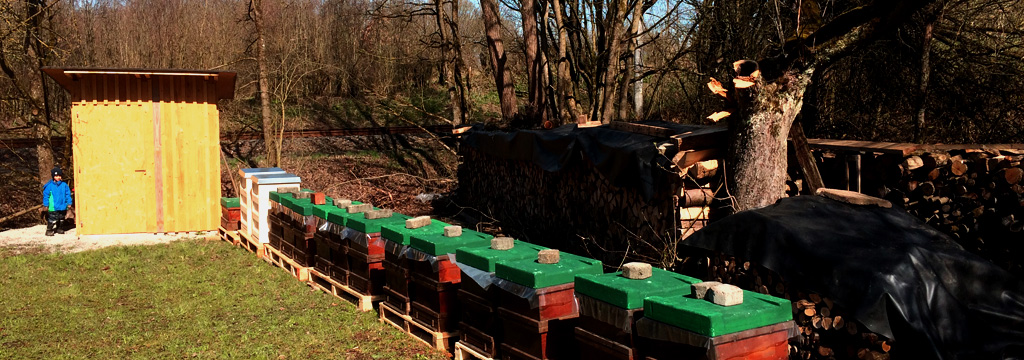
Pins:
x: 502, y: 75
x: 569, y: 109
x: 459, y: 65
x: 756, y: 157
x: 448, y: 64
x: 273, y: 148
x: 535, y: 63
x: 926, y: 70
x: 613, y: 49
x: 37, y: 88
x: 630, y: 62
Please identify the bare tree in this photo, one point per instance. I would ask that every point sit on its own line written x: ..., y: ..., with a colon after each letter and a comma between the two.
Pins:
x: 273, y: 147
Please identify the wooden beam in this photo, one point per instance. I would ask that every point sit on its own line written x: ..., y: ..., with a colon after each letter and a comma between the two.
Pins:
x: 703, y: 138
x: 803, y: 157
x: 686, y: 158
x: 649, y: 130
x: 902, y: 149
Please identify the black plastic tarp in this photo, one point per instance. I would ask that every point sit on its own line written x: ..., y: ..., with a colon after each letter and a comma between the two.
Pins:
x: 626, y: 159
x: 900, y: 277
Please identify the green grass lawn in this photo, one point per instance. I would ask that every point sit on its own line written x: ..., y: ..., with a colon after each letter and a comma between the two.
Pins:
x: 187, y: 299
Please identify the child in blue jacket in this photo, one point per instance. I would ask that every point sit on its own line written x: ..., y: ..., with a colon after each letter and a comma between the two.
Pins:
x: 56, y: 198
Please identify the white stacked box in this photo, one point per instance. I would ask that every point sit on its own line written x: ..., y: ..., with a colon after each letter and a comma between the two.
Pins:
x: 245, y: 198
x: 263, y: 185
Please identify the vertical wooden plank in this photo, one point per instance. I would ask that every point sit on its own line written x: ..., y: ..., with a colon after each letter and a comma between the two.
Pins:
x: 213, y: 154
x: 157, y: 156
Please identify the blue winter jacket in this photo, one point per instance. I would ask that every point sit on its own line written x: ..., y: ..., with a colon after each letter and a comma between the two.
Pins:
x: 61, y: 195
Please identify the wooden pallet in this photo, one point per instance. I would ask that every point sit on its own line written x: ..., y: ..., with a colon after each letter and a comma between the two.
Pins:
x: 274, y: 257
x: 229, y: 236
x: 324, y: 283
x: 253, y: 246
x: 468, y: 352
x: 435, y: 339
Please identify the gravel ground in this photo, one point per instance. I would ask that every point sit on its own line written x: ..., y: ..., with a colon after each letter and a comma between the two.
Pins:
x: 34, y: 239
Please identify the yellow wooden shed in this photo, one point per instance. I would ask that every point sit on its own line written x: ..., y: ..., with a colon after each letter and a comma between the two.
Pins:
x: 146, y: 146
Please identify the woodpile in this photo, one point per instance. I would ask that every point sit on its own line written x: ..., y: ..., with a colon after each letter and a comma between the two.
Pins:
x: 827, y: 331
x: 575, y: 206
x: 974, y: 196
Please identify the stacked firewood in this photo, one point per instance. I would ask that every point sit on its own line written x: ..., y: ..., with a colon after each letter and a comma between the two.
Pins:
x: 826, y: 329
x: 977, y: 197
x: 573, y: 207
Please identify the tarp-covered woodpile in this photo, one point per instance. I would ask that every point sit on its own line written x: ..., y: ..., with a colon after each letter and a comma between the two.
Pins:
x: 893, y: 273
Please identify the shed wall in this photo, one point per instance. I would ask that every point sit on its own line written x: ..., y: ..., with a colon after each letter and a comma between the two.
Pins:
x: 146, y: 153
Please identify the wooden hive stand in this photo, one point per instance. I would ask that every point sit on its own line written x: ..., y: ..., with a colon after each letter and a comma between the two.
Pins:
x: 324, y: 283
x: 436, y: 339
x: 229, y: 236
x: 468, y: 352
x: 276, y: 258
x: 253, y: 246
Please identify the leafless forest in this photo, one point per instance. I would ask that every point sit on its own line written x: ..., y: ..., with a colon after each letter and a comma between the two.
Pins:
x: 933, y: 71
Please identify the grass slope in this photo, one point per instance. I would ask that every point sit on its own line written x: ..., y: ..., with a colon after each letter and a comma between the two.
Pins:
x: 187, y: 299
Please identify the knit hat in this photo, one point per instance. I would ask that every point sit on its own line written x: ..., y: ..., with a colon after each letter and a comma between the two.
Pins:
x: 56, y: 172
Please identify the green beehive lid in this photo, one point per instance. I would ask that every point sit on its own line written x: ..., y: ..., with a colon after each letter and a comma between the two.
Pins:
x: 401, y: 235
x: 529, y: 272
x: 359, y: 222
x: 230, y: 202
x: 321, y: 211
x: 275, y: 196
x: 484, y: 258
x: 438, y: 244
x: 709, y: 319
x: 625, y: 293
x: 340, y: 216
x: 302, y: 207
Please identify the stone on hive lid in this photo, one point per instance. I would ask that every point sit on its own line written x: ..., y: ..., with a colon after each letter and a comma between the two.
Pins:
x: 502, y: 243
x: 700, y: 289
x: 549, y: 256
x: 452, y: 231
x: 725, y: 295
x: 637, y: 270
x: 417, y: 222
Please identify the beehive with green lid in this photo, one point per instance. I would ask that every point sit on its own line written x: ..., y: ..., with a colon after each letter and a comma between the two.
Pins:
x: 709, y: 319
x: 230, y: 202
x: 399, y: 234
x: 530, y: 273
x: 485, y: 258
x: 615, y: 289
x: 275, y: 196
x: 438, y: 244
x: 340, y: 216
x: 359, y: 222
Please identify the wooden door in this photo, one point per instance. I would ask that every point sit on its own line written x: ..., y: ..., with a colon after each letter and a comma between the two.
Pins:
x: 114, y: 160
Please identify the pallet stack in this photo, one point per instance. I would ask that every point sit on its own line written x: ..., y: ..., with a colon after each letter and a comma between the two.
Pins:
x: 397, y: 266
x: 610, y: 305
x: 480, y: 328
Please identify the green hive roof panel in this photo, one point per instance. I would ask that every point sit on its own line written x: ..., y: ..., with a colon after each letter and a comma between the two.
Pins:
x: 321, y: 211
x: 625, y: 293
x: 359, y: 222
x: 438, y: 244
x: 399, y: 234
x: 302, y: 207
x: 529, y: 272
x: 230, y: 202
x: 709, y: 319
x: 484, y: 258
x: 275, y: 196
x: 341, y: 216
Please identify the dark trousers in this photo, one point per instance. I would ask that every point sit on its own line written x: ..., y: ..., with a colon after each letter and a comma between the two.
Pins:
x: 55, y: 221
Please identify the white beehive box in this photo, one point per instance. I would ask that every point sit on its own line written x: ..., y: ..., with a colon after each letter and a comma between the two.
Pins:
x: 263, y: 184
x: 244, y: 194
